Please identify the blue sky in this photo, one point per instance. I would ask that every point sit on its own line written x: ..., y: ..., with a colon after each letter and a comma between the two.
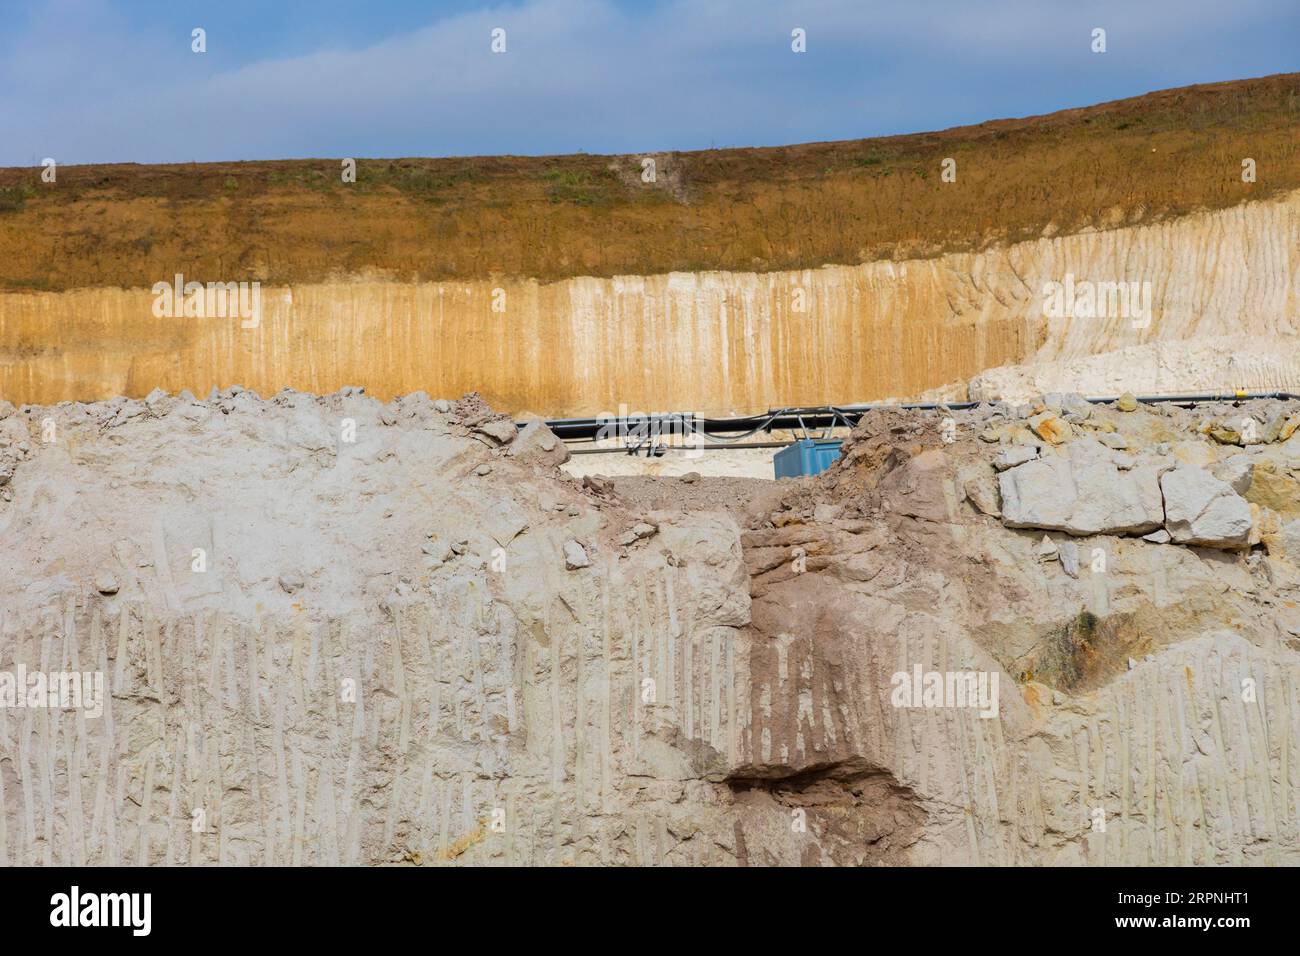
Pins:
x: 116, y: 81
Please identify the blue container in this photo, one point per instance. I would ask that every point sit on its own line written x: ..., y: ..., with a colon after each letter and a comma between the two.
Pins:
x: 806, y: 457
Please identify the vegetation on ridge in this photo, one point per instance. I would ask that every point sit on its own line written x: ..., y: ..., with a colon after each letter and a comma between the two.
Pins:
x: 1137, y: 160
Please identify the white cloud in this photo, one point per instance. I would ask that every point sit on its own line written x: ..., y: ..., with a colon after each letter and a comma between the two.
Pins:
x: 587, y: 74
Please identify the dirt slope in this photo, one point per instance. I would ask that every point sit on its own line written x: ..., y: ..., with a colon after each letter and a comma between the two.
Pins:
x: 1135, y: 160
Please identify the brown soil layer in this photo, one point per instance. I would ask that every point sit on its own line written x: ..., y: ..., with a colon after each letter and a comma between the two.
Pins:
x: 1135, y: 160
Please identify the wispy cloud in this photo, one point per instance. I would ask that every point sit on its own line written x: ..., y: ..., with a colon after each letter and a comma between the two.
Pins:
x: 96, y: 83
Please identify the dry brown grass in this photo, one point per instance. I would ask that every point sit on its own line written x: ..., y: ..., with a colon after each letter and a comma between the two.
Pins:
x: 1136, y: 160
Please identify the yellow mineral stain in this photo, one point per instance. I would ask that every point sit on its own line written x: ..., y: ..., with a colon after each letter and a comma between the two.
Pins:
x: 468, y: 840
x: 1030, y: 693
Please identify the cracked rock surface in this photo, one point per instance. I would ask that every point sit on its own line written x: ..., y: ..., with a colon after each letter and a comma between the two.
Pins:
x: 323, y: 624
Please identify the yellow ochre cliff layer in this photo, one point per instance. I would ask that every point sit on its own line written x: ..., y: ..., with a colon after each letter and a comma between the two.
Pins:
x: 714, y: 342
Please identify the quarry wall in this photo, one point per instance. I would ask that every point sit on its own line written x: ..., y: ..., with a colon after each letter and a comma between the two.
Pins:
x: 429, y: 646
x: 713, y: 342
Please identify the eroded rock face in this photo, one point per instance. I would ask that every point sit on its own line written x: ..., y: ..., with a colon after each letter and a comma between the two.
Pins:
x: 329, y: 625
x: 1111, y: 652
x: 352, y: 645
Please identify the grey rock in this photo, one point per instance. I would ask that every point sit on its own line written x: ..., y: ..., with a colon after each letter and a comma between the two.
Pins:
x: 1202, y: 510
x: 1014, y: 455
x: 636, y: 533
x: 442, y: 405
x: 537, y: 443
x: 1272, y: 431
x: 980, y: 486
x: 1238, y: 471
x: 106, y: 582
x: 1076, y: 407
x: 1081, y: 492
x: 1069, y: 404
x: 1160, y: 536
x: 438, y: 550
x: 575, y: 556
x: 1070, y: 558
x: 500, y: 430
x: 1253, y: 431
